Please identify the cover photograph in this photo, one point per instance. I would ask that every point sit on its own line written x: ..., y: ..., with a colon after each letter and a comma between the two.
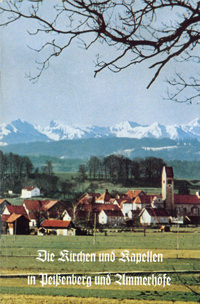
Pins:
x: 99, y: 152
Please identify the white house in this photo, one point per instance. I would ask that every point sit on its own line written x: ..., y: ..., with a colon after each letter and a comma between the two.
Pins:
x: 149, y: 216
x: 127, y: 206
x: 28, y: 192
x: 111, y: 217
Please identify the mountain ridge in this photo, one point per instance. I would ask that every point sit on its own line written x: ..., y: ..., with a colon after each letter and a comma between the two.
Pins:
x: 19, y: 131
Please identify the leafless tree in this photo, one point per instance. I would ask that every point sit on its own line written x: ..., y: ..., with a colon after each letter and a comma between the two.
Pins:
x: 154, y: 31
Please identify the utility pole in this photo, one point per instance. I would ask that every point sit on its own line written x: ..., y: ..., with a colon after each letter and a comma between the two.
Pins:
x: 177, y: 239
x: 95, y: 222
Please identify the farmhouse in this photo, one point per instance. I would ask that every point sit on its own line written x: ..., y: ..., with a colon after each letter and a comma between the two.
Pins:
x: 28, y: 192
x: 59, y: 227
x: 41, y: 209
x: 149, y: 216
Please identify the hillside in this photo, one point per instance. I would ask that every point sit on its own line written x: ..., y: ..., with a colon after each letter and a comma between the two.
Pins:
x: 166, y: 149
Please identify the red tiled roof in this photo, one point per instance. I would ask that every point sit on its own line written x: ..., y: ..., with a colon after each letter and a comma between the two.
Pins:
x: 37, y: 205
x: 122, y: 196
x: 29, y: 188
x: 32, y: 204
x: 157, y: 211
x: 55, y: 224
x: 88, y: 198
x: 49, y: 204
x: 106, y: 196
x: 144, y: 199
x: 186, y: 199
x: 13, y: 217
x: 113, y: 213
x: 97, y: 207
x: 134, y: 193
x: 16, y: 209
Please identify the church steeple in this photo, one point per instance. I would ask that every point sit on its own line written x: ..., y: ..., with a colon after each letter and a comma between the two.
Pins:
x: 168, y: 188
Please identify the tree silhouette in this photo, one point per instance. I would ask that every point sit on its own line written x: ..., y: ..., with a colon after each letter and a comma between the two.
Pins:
x: 157, y: 32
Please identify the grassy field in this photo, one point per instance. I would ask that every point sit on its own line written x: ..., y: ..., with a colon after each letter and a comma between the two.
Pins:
x: 18, y: 256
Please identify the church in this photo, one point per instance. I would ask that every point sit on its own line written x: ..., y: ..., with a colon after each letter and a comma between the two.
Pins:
x: 179, y: 204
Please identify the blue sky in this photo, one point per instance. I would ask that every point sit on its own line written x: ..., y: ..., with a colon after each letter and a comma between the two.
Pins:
x: 68, y: 91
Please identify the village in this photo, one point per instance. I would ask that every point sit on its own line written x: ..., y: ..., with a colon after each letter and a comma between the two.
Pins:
x: 92, y: 211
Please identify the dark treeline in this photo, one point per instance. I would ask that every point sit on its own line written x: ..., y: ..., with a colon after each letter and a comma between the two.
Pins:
x: 14, y: 171
x: 18, y: 171
x: 120, y: 169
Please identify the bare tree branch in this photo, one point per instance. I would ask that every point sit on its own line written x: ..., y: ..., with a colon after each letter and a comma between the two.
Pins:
x: 137, y: 31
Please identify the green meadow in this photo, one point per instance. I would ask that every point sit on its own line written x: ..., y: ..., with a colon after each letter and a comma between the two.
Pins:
x: 181, y: 261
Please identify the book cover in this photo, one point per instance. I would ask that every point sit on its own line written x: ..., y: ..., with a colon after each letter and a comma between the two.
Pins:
x: 99, y: 152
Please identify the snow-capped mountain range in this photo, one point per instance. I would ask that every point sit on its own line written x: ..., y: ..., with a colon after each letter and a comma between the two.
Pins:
x: 19, y: 131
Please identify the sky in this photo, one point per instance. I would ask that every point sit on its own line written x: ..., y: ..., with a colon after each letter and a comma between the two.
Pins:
x: 68, y: 92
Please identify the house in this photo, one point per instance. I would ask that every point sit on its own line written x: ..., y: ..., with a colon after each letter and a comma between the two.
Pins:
x: 18, y: 224
x: 28, y: 192
x: 112, y: 218
x: 126, y: 207
x: 14, y: 220
x: 38, y: 210
x: 142, y: 201
x: 149, y: 216
x: 59, y: 227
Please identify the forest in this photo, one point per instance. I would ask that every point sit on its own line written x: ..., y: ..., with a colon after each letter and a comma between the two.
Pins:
x: 17, y: 172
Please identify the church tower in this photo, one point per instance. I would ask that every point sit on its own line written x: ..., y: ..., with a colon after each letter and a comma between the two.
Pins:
x: 168, y: 188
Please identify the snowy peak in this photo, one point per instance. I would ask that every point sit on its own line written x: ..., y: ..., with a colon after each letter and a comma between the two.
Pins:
x: 154, y: 130
x: 58, y: 131
x: 193, y: 127
x: 19, y: 131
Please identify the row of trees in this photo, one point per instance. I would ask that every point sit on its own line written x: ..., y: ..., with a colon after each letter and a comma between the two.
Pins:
x: 14, y: 171
x: 120, y: 169
x: 17, y: 172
